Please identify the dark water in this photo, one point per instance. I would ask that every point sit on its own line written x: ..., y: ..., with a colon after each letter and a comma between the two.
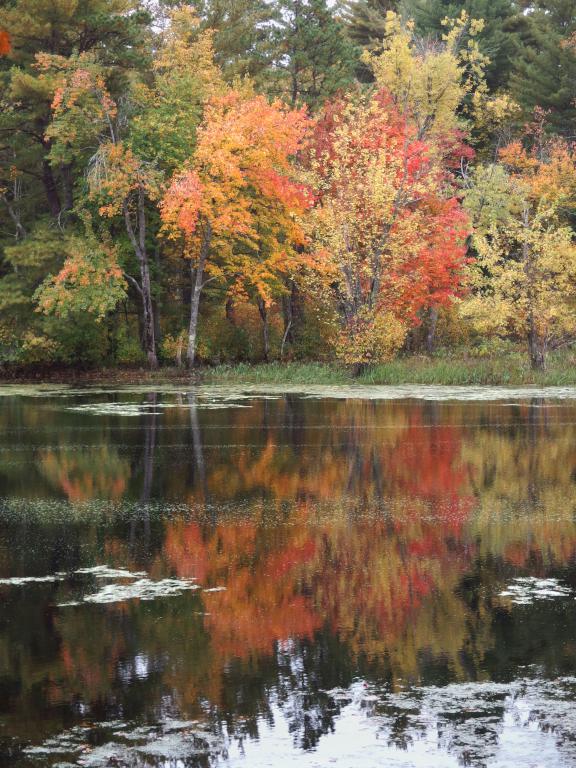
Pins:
x: 222, y: 579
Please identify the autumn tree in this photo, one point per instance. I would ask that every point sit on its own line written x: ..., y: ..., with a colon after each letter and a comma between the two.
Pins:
x: 90, y: 282
x: 524, y: 276
x: 439, y: 87
x: 495, y: 39
x: 129, y: 165
x: 383, y: 165
x: 132, y: 176
x: 388, y: 229
x: 263, y: 271
x: 84, y: 113
x: 38, y: 192
x: 113, y: 31
x: 235, y: 203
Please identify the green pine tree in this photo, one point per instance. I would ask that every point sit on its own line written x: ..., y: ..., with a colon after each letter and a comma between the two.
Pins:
x: 313, y: 56
x: 544, y: 72
x: 367, y: 20
x: 242, y: 34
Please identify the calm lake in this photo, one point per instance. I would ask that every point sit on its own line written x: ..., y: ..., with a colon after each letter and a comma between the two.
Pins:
x: 348, y: 577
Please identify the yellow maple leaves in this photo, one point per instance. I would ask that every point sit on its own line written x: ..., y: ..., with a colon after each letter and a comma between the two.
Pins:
x: 524, y: 278
x: 430, y: 81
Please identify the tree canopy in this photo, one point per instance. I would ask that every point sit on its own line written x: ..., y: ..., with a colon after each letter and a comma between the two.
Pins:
x: 294, y: 178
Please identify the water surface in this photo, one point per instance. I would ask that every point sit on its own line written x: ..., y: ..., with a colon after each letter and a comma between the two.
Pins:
x: 355, y: 577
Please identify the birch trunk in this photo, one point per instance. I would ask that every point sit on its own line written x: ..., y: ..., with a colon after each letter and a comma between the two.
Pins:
x: 196, y: 292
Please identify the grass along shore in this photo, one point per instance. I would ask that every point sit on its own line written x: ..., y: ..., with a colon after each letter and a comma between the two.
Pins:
x: 450, y: 369
x: 506, y: 370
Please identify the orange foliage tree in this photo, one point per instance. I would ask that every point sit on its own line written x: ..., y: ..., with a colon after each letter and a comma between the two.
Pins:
x: 237, y: 203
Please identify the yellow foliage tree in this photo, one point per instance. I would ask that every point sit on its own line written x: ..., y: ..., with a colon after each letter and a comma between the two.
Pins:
x: 524, y: 279
x: 435, y: 84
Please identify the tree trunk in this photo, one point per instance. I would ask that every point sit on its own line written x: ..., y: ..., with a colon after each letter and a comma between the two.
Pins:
x: 139, y: 245
x: 148, y: 315
x: 291, y: 312
x: 431, y: 335
x: 67, y: 185
x: 263, y: 310
x: 51, y: 189
x: 229, y: 310
x: 156, y: 305
x: 409, y: 341
x: 196, y: 291
x: 287, y: 317
x: 286, y: 332
x: 536, y: 347
x: 149, y: 334
x: 14, y: 213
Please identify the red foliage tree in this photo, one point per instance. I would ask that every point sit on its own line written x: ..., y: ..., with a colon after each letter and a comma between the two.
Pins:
x: 390, y: 227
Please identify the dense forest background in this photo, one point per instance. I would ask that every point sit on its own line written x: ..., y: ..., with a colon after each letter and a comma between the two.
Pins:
x: 252, y: 180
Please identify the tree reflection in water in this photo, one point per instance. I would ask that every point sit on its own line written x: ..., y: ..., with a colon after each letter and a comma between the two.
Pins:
x: 356, y: 540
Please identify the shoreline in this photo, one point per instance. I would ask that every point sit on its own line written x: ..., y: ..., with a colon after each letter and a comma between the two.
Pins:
x: 505, y: 370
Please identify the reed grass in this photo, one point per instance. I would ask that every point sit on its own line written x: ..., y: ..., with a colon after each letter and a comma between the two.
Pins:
x: 511, y: 369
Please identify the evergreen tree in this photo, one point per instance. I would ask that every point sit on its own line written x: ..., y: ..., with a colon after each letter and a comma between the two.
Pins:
x: 544, y: 72
x: 114, y: 31
x: 242, y: 34
x: 313, y: 57
x: 367, y: 20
